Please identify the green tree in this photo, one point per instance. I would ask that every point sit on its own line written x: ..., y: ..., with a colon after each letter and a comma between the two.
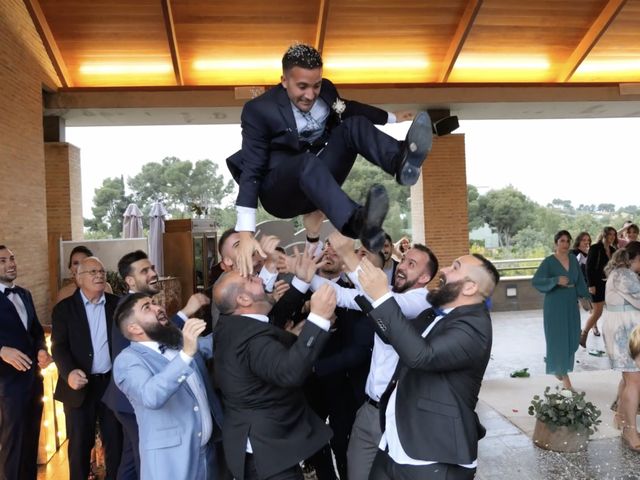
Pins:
x: 183, y: 187
x: 506, y: 211
x: 475, y: 219
x: 109, y: 204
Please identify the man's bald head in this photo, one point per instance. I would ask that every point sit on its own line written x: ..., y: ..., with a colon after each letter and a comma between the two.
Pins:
x: 235, y: 294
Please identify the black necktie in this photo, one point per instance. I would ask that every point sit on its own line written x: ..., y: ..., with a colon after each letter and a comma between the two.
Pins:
x: 10, y: 290
x: 162, y: 347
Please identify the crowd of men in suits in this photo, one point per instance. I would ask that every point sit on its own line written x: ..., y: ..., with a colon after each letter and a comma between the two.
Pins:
x: 290, y: 383
x: 372, y: 369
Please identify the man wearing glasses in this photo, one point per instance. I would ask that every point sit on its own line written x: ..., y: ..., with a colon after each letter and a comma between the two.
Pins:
x: 81, y: 337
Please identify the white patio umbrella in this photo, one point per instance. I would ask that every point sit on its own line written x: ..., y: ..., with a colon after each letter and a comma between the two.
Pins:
x: 132, y: 225
x: 156, y: 229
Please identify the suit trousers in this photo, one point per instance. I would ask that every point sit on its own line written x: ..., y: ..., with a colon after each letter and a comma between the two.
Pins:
x: 364, y: 441
x: 20, y: 417
x: 129, y: 468
x: 384, y: 468
x: 81, y: 431
x: 250, y: 473
x: 304, y: 182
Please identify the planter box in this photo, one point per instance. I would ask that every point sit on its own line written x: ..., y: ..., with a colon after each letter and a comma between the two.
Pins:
x: 562, y: 439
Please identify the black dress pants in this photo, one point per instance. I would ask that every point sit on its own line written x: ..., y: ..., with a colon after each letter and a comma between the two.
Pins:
x: 20, y: 417
x: 384, y: 468
x: 304, y: 182
x: 81, y: 431
x: 250, y: 473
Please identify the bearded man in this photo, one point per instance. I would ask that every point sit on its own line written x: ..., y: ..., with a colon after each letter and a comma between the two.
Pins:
x: 443, y: 355
x: 163, y: 375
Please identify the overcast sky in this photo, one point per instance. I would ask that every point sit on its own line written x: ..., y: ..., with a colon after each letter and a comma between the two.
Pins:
x: 585, y: 161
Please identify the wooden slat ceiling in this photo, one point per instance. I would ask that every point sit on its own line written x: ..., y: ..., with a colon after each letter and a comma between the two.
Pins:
x: 159, y: 43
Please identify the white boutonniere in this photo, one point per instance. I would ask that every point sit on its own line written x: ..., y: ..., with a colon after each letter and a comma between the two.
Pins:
x: 339, y: 107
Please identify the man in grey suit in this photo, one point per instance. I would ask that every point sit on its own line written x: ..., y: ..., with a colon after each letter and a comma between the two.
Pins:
x: 163, y: 375
x: 443, y: 355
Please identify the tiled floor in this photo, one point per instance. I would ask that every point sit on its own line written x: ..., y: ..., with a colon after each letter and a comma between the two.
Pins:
x: 506, y: 453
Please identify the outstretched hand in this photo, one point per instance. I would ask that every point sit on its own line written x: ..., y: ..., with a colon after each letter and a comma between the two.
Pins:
x: 247, y: 245
x: 312, y: 223
x: 191, y: 330
x: 306, y: 264
x: 373, y: 280
x: 404, y: 115
x: 323, y: 302
x: 345, y: 248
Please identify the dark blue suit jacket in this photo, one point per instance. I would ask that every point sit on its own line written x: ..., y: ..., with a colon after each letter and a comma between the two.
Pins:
x: 29, y: 342
x: 270, y: 135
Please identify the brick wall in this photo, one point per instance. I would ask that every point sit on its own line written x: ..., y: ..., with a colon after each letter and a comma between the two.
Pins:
x: 24, y: 70
x: 64, y: 190
x: 439, y: 201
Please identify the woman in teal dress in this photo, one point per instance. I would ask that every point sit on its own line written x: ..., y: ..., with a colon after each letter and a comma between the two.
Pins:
x: 560, y: 279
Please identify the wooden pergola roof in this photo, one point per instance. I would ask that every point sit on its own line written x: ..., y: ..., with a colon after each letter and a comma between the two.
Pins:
x: 192, y: 43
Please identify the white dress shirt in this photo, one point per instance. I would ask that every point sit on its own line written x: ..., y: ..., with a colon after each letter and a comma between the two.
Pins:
x: 197, y: 388
x: 18, y: 303
x: 97, y: 318
x: 384, y: 358
x: 390, y: 438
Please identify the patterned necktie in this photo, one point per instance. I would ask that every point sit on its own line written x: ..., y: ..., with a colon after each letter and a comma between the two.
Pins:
x: 312, y: 128
x: 162, y: 347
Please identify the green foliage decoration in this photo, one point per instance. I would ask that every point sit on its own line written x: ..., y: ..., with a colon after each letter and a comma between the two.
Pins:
x: 566, y: 408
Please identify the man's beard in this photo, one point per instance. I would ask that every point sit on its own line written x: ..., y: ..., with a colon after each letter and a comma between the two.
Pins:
x: 167, y: 334
x: 446, y: 294
x: 407, y: 285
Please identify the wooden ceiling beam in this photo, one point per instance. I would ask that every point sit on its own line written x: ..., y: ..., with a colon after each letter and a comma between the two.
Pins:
x: 457, y: 42
x: 321, y: 28
x: 169, y: 25
x: 596, y: 30
x: 50, y: 45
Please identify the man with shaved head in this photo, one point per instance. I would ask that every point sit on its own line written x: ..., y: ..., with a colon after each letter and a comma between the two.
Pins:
x: 260, y: 369
x: 81, y: 348
x: 443, y: 356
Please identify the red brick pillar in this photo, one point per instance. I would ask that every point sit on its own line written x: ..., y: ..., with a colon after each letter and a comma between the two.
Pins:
x: 439, y: 214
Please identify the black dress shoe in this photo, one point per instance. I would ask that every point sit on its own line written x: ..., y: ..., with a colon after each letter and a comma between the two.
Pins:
x: 415, y: 149
x: 366, y: 222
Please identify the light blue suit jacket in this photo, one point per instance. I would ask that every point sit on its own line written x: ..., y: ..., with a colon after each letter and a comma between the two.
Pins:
x: 166, y: 409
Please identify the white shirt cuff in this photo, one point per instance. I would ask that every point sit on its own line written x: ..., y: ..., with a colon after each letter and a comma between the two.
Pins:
x: 381, y: 300
x: 246, y: 219
x: 300, y: 285
x: 182, y: 315
x: 391, y: 117
x: 323, y: 323
x: 185, y: 358
x: 268, y: 278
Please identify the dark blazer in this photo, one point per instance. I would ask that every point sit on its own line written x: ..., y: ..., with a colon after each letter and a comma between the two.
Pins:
x: 260, y: 370
x: 270, y: 135
x: 597, y: 259
x: 439, y: 380
x: 71, y: 339
x: 29, y: 342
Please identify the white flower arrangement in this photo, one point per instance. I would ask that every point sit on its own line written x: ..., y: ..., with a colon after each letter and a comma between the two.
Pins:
x: 339, y: 107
